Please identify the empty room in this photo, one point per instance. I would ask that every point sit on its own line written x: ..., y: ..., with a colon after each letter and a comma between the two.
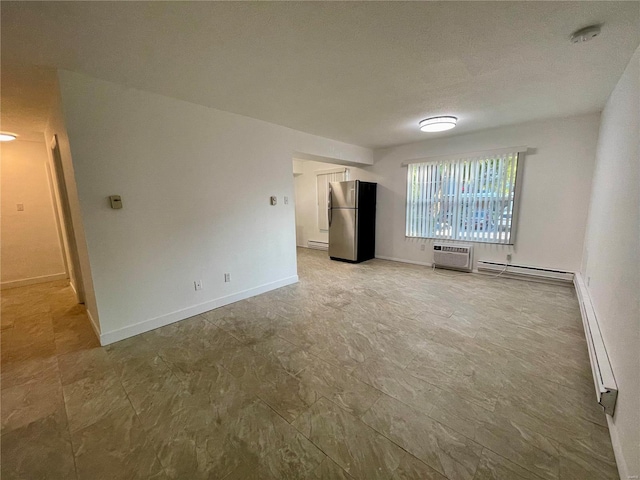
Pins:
x: 320, y: 240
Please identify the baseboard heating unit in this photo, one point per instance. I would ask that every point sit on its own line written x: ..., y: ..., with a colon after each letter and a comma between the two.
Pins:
x: 317, y: 245
x: 605, y: 383
x: 453, y: 257
x: 525, y: 273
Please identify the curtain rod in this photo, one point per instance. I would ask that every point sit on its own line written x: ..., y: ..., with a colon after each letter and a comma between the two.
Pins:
x: 460, y: 156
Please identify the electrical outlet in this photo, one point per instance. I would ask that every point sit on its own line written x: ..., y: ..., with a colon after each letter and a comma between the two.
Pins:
x: 286, y: 200
x: 508, y: 258
x: 227, y: 277
x: 197, y: 284
x: 422, y: 247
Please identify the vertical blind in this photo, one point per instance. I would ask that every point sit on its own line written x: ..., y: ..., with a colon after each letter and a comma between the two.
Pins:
x: 469, y: 199
x: 323, y: 180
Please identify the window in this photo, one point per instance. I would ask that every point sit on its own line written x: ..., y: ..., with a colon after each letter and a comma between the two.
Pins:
x: 322, y: 188
x: 470, y: 199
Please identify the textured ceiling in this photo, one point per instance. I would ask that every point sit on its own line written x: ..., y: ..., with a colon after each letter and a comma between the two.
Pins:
x: 363, y: 73
x: 27, y: 95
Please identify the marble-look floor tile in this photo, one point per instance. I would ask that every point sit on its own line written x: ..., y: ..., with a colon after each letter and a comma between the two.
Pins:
x: 186, y: 426
x: 576, y: 465
x: 475, y: 378
x: 289, y: 396
x: 399, y: 384
x: 516, y: 442
x: 589, y: 438
x: 329, y: 469
x: 460, y: 370
x: 30, y: 338
x: 115, y: 447
x: 20, y: 372
x: 25, y: 403
x: 353, y: 445
x: 556, y: 404
x: 90, y: 399
x: 437, y: 445
x: 338, y: 386
x: 204, y: 453
x: 495, y: 467
x: 80, y: 337
x: 93, y: 363
x: 279, y: 447
x: 38, y: 451
x: 289, y: 357
x: 411, y: 468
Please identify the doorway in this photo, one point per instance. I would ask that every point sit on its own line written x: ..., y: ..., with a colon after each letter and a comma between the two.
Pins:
x: 65, y: 221
x: 311, y: 185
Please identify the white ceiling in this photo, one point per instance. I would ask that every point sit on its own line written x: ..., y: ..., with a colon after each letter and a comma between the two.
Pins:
x: 363, y: 73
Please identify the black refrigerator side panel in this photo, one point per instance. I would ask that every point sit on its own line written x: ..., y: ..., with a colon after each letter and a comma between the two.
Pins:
x: 366, y: 221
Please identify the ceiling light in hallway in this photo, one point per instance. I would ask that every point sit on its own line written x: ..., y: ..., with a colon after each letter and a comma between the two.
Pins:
x: 7, y: 137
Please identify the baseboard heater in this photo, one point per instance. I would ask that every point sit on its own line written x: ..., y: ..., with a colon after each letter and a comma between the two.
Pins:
x: 605, y: 383
x: 317, y: 245
x: 526, y: 273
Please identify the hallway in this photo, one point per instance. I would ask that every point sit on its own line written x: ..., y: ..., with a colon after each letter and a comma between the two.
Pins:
x: 42, y: 327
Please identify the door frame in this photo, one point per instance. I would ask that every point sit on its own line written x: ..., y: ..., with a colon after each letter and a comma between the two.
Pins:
x: 65, y: 220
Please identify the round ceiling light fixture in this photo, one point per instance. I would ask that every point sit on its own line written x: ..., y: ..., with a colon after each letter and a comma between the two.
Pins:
x: 7, y: 137
x: 438, y: 124
x: 585, y: 34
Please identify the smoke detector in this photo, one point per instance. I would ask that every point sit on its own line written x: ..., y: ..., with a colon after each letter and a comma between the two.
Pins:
x: 585, y: 34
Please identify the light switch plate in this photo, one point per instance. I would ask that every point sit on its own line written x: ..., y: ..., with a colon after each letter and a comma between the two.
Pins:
x: 274, y: 200
x: 20, y: 207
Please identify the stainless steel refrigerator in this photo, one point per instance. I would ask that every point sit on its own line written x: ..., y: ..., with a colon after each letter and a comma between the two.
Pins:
x: 352, y: 221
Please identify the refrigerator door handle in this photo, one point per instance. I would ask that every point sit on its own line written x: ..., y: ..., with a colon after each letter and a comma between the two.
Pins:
x: 329, y: 206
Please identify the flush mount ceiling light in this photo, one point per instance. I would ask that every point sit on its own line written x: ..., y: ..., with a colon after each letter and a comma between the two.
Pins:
x: 7, y: 137
x: 438, y: 124
x: 585, y: 34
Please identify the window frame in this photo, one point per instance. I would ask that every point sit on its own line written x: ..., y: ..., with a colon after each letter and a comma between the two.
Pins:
x: 519, y: 152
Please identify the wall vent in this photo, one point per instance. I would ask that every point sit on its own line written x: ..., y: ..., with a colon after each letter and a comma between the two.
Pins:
x: 453, y: 257
x: 317, y: 245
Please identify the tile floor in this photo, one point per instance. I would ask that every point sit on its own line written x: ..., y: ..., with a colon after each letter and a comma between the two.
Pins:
x: 372, y: 371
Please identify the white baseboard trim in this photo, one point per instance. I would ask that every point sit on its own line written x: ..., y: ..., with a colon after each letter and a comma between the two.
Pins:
x: 157, y: 322
x: 33, y: 280
x: 402, y: 260
x: 623, y: 470
x: 94, y: 324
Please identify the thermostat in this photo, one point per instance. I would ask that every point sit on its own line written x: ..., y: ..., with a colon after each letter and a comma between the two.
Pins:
x: 116, y: 202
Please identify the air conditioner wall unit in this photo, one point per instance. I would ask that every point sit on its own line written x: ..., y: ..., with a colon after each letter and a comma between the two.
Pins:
x: 453, y: 256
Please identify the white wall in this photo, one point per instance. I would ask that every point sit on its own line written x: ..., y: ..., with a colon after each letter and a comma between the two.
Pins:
x: 612, y: 258
x: 555, y: 191
x: 195, y: 184
x: 306, y: 198
x: 31, y: 248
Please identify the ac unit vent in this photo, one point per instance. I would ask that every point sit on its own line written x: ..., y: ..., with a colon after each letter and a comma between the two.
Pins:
x: 455, y: 257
